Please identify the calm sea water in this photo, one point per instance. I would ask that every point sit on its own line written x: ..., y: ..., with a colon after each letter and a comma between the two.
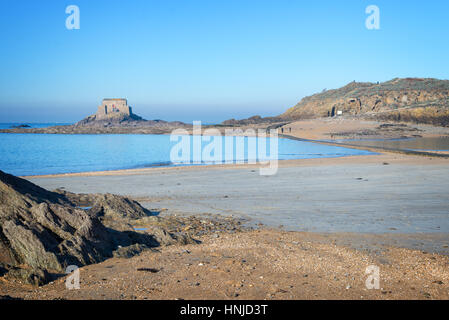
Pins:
x: 34, y: 154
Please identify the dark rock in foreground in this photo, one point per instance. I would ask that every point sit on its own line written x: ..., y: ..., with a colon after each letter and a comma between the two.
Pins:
x: 43, y: 232
x: 419, y: 100
x: 106, y: 205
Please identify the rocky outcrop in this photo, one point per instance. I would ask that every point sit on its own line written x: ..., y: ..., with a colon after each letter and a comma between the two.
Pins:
x: 111, y: 111
x: 119, y: 118
x: 250, y: 121
x: 20, y: 126
x: 112, y: 122
x: 410, y: 99
x: 106, y: 205
x: 108, y: 127
x: 43, y: 232
x: 120, y: 213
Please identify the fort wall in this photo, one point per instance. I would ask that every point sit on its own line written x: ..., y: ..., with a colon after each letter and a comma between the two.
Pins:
x: 110, y: 108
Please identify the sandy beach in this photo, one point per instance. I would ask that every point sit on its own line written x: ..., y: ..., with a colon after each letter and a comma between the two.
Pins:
x: 379, y: 193
x: 267, y: 264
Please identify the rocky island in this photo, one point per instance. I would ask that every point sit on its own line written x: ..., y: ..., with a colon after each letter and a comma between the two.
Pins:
x: 112, y: 116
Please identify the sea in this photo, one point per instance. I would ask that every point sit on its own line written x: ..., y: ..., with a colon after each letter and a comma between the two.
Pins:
x: 38, y: 154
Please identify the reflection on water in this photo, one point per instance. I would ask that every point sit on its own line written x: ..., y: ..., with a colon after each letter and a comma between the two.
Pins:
x: 428, y: 144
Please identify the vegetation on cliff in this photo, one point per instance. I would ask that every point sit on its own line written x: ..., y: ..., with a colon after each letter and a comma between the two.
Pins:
x: 43, y: 232
x: 411, y: 99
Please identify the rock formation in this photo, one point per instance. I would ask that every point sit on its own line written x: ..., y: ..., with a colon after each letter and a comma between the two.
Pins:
x: 43, y: 232
x: 251, y: 121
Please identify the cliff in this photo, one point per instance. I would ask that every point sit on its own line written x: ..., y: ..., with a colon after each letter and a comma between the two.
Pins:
x: 410, y: 99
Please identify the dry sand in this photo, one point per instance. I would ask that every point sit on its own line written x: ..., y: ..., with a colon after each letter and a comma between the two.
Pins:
x: 266, y: 264
x: 348, y: 128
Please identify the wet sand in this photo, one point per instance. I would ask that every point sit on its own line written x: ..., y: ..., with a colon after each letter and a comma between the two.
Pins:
x: 382, y: 194
x: 387, y: 210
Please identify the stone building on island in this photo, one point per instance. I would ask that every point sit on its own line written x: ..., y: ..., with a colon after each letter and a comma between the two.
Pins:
x: 111, y: 108
x: 111, y: 111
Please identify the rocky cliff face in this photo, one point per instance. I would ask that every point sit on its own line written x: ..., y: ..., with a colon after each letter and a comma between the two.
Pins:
x: 44, y: 232
x: 410, y: 99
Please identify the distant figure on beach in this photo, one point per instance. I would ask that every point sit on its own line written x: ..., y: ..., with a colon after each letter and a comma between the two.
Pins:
x: 282, y: 130
x: 290, y: 129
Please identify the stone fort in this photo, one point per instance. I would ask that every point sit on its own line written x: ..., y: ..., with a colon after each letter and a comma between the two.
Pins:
x: 110, y: 108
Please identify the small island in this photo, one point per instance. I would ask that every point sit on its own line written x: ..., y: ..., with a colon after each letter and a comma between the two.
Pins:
x: 112, y: 116
x: 20, y: 126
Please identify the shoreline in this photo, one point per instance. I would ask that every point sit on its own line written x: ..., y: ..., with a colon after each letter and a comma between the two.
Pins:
x: 312, y: 131
x: 371, y: 194
x: 425, y: 153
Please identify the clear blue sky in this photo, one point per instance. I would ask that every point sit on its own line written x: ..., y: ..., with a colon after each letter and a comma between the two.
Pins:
x: 206, y: 60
